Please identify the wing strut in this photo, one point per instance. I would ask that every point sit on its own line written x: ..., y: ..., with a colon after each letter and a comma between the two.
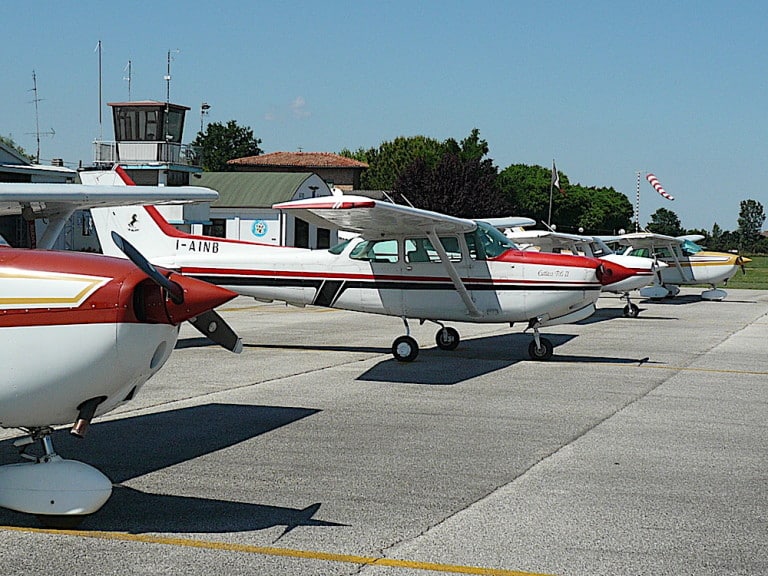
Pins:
x: 451, y: 269
x: 686, y: 275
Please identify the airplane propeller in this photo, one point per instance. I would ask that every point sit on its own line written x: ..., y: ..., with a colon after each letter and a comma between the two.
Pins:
x: 742, y: 262
x: 209, y: 323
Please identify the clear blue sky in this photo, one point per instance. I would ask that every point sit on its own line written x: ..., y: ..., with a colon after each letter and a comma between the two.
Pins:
x: 605, y: 88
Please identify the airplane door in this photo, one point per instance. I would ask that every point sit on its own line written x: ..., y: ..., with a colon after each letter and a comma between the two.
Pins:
x: 379, y: 283
x: 430, y: 292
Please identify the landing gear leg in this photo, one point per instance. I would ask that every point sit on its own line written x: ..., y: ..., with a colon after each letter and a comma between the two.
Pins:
x: 540, y: 348
x: 405, y: 348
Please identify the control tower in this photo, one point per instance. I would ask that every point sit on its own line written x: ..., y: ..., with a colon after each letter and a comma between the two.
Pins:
x: 148, y: 144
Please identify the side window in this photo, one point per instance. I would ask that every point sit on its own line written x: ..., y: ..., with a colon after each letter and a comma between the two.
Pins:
x: 663, y: 252
x: 375, y: 251
x: 422, y: 250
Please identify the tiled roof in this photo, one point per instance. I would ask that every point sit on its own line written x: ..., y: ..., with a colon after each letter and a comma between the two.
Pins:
x: 300, y: 159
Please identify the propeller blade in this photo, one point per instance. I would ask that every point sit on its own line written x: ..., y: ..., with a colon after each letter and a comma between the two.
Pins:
x: 213, y: 326
x: 175, y: 291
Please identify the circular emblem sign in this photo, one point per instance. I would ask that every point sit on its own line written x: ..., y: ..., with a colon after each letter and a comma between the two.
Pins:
x: 259, y: 228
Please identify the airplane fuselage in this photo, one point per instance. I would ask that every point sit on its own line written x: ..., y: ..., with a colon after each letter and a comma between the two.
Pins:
x: 77, y: 327
x: 514, y: 287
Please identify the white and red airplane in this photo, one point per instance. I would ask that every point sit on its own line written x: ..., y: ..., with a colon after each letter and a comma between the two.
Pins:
x: 646, y: 269
x: 687, y: 263
x: 79, y: 335
x: 406, y: 262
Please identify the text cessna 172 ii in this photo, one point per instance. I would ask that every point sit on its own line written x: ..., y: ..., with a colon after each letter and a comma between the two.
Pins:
x: 687, y: 263
x: 406, y: 262
x: 646, y: 269
x: 80, y: 334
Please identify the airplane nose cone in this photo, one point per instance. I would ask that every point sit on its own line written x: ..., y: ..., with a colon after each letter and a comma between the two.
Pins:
x: 610, y: 273
x: 199, y: 297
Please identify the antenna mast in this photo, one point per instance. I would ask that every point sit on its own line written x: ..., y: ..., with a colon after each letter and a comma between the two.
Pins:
x: 168, y: 76
x: 128, y: 78
x: 36, y: 99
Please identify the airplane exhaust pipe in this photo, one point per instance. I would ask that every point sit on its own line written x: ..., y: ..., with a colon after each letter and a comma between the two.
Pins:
x: 86, y: 410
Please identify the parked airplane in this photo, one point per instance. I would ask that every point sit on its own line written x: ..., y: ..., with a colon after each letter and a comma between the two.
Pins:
x: 79, y: 335
x: 407, y: 262
x: 687, y: 263
x: 646, y: 269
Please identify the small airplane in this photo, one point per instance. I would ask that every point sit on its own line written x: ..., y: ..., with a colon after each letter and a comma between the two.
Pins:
x: 687, y: 263
x: 405, y: 262
x: 646, y: 269
x: 81, y: 334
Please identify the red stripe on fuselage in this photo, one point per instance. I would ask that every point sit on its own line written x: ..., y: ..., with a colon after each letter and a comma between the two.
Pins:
x: 407, y: 278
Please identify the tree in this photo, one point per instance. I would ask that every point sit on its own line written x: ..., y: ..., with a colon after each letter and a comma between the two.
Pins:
x: 462, y: 185
x: 221, y: 143
x: 593, y: 210
x: 390, y: 159
x: 665, y: 221
x: 751, y: 219
x: 387, y: 162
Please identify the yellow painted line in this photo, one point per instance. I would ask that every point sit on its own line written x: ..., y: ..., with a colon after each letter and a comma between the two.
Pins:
x: 272, y: 551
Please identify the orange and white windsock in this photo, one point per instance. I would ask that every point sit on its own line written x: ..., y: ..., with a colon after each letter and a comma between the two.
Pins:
x: 653, y: 181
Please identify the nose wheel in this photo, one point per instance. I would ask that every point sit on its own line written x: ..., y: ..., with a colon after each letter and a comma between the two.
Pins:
x: 447, y: 338
x: 631, y: 310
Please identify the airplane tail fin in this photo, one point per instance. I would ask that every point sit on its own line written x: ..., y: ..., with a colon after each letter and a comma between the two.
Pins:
x: 143, y: 226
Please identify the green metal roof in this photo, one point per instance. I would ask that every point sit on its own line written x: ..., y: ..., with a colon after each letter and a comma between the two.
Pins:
x: 251, y: 189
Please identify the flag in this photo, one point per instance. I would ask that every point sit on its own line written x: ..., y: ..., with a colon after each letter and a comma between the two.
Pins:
x: 653, y: 181
x: 556, y: 179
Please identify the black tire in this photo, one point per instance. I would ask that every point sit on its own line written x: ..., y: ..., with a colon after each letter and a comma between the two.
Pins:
x: 543, y: 353
x: 447, y: 338
x: 405, y: 349
x: 631, y: 311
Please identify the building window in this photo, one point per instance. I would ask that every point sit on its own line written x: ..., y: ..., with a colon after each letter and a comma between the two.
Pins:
x: 323, y: 238
x: 217, y: 228
x: 301, y: 233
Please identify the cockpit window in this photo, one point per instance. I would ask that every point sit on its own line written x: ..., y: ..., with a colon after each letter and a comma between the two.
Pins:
x: 689, y: 247
x: 487, y: 242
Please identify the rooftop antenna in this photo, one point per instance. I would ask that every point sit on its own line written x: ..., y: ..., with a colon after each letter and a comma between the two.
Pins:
x: 36, y: 99
x: 128, y: 78
x: 167, y: 77
x: 101, y: 124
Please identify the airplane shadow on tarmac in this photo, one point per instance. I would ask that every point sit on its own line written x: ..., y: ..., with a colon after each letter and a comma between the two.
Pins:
x: 131, y: 447
x: 474, y: 357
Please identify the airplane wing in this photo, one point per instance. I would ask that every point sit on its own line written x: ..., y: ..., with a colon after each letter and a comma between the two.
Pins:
x: 58, y: 202
x: 509, y: 222
x: 48, y: 200
x: 642, y: 239
x: 372, y: 218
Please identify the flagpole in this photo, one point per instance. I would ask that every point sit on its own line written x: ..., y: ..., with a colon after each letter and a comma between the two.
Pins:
x: 549, y: 217
x: 551, y: 188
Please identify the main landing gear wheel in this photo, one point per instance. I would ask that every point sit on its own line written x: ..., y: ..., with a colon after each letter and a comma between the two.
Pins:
x: 447, y: 338
x: 631, y: 310
x: 405, y: 349
x: 543, y: 352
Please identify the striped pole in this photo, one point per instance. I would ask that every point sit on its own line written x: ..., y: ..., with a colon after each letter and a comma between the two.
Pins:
x: 637, y: 208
